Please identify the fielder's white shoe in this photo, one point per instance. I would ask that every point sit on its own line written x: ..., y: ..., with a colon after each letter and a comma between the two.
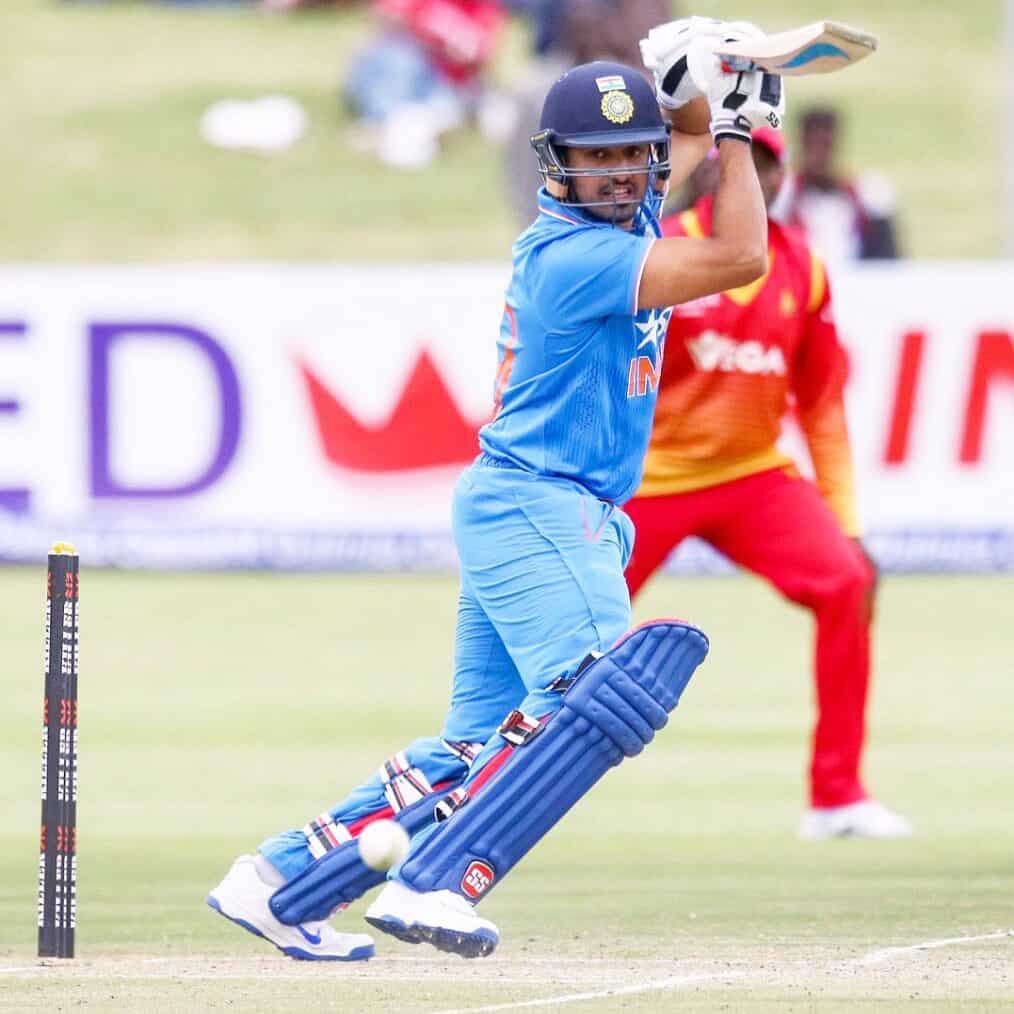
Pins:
x: 865, y: 819
x: 243, y: 895
x: 441, y: 918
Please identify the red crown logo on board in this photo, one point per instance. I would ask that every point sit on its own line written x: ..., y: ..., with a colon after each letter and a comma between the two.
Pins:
x: 426, y: 428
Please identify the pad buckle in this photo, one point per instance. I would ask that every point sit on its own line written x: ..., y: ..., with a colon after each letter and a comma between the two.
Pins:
x: 518, y: 728
x: 452, y: 801
x: 324, y: 833
x: 563, y: 683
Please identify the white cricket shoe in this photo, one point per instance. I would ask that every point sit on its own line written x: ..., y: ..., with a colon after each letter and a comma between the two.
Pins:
x: 441, y: 918
x: 865, y: 819
x: 242, y: 897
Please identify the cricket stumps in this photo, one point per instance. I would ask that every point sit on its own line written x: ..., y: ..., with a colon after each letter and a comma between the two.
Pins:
x: 57, y: 915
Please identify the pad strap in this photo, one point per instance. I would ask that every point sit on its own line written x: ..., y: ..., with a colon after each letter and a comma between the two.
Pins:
x: 465, y: 752
x: 612, y: 711
x: 404, y: 784
x: 325, y: 833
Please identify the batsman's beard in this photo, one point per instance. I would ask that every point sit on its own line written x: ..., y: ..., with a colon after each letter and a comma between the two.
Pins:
x: 620, y: 202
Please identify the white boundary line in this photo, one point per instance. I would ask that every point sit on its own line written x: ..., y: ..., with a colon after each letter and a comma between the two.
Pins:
x: 646, y: 987
x: 875, y: 957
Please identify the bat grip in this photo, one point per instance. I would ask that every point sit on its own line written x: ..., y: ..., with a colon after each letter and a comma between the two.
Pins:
x: 736, y: 64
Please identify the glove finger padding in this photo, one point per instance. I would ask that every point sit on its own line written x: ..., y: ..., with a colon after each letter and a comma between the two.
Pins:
x: 769, y: 108
x: 664, y: 54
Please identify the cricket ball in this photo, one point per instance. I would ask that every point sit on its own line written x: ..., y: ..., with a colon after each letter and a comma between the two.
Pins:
x: 383, y: 844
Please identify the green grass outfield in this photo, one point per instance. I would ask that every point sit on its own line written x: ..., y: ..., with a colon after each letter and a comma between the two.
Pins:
x: 218, y: 708
x: 104, y: 162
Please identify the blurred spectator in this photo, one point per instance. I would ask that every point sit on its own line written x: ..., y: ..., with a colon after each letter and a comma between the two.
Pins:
x: 611, y: 29
x: 568, y: 32
x: 548, y: 19
x: 420, y: 75
x: 846, y: 218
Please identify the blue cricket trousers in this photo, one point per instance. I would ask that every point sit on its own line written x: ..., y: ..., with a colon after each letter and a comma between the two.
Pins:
x: 542, y: 585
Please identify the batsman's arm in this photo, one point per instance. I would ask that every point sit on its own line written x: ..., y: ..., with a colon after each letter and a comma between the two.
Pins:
x: 681, y: 268
x: 686, y: 152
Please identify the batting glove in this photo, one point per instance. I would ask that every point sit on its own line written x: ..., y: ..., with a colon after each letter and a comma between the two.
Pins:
x: 739, y: 101
x: 664, y: 53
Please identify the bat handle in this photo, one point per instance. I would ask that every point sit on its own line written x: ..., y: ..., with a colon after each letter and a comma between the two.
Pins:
x: 736, y: 64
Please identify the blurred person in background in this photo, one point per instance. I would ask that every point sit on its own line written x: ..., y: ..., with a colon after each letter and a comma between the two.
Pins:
x: 547, y: 19
x: 420, y: 76
x: 567, y: 32
x: 846, y: 218
x: 735, y: 364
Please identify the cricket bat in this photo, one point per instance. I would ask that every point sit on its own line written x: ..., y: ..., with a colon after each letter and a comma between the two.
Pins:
x: 819, y: 48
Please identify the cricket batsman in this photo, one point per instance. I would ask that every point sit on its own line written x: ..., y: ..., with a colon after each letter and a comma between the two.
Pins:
x: 735, y: 363
x: 551, y: 688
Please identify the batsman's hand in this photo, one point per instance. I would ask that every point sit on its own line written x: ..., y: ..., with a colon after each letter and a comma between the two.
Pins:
x: 664, y: 53
x: 740, y: 101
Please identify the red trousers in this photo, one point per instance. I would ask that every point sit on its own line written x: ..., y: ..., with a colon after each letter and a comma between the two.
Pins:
x: 777, y: 525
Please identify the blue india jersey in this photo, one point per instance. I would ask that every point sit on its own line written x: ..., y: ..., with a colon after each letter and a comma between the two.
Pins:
x: 579, y: 365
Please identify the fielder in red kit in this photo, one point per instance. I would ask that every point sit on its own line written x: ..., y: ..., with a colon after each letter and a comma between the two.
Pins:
x: 734, y: 364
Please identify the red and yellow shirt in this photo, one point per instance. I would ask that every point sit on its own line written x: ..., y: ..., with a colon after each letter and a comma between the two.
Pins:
x: 736, y: 362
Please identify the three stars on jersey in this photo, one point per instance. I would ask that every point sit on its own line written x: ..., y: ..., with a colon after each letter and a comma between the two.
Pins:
x: 645, y: 371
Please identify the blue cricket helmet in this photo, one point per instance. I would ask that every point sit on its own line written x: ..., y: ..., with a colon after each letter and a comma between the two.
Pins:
x: 598, y: 105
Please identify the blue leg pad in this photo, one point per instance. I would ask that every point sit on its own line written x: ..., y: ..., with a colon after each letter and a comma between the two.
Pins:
x: 611, y: 711
x: 340, y: 876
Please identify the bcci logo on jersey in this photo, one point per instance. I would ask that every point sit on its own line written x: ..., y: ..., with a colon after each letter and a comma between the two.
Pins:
x: 645, y: 370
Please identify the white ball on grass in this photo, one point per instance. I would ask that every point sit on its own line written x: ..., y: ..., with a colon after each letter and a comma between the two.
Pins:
x: 383, y: 844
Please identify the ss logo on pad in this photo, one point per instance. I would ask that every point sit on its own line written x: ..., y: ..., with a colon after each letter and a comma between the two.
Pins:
x: 478, y: 879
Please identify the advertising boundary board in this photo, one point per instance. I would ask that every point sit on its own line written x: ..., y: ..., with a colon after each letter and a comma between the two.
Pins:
x: 315, y: 417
